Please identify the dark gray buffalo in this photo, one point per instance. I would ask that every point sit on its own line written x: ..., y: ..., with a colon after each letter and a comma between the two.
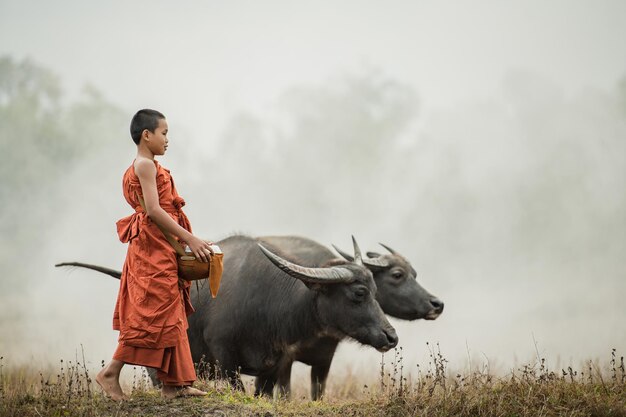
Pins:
x: 263, y: 314
x: 398, y: 293
x: 267, y: 306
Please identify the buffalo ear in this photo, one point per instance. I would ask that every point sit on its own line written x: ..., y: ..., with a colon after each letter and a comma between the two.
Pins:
x: 373, y: 254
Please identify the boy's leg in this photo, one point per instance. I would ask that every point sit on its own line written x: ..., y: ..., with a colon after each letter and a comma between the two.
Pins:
x: 109, y: 379
x: 179, y: 373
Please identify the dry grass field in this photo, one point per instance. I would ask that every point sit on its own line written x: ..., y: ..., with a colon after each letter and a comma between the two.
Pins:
x: 530, y: 390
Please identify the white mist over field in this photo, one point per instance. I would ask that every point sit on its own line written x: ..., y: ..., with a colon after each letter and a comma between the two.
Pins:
x: 485, y: 142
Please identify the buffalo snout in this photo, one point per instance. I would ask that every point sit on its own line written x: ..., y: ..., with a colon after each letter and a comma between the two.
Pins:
x: 387, y: 339
x: 436, y: 308
x: 392, y: 338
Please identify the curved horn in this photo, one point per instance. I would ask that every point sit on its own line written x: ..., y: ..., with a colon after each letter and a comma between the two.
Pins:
x: 371, y: 262
x: 393, y: 252
x: 358, y: 259
x: 343, y: 254
x: 332, y: 275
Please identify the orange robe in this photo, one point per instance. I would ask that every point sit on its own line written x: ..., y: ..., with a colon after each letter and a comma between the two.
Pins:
x: 151, y: 310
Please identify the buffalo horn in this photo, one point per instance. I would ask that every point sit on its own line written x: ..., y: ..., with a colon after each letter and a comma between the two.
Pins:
x: 373, y: 262
x: 332, y: 275
x: 393, y: 252
x: 358, y: 259
x: 343, y: 254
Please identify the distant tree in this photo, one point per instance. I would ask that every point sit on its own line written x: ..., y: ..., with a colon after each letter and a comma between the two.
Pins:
x: 30, y: 133
x: 327, y: 148
x: 42, y: 137
x: 347, y: 127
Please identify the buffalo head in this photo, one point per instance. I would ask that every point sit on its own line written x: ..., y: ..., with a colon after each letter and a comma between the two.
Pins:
x: 399, y: 294
x: 345, y: 299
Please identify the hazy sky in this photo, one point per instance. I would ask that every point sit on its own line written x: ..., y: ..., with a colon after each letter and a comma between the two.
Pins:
x: 201, y: 62
x: 197, y: 60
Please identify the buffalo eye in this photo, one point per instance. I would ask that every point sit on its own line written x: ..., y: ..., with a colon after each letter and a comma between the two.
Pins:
x: 359, y: 294
x: 398, y: 275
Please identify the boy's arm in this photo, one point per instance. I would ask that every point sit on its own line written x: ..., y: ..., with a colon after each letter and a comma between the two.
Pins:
x: 146, y: 172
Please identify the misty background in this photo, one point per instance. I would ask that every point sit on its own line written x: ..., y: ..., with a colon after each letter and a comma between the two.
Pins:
x: 486, y: 142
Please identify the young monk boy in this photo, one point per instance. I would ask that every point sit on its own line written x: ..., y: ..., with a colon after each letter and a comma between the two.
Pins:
x: 153, y: 304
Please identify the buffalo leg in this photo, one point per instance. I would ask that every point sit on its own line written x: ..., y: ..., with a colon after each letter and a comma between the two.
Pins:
x: 319, y: 373
x: 264, y: 385
x: 152, y: 373
x: 319, y: 356
x: 284, y: 379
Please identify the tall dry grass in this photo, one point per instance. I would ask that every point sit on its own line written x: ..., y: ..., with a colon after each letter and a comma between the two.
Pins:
x: 433, y: 389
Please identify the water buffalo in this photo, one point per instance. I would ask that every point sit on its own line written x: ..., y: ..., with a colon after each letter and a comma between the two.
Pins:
x: 263, y: 313
x: 398, y: 294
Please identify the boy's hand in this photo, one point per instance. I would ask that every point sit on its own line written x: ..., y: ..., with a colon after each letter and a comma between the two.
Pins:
x: 200, y: 248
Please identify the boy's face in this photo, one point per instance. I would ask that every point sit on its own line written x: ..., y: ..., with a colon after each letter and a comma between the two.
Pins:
x: 157, y: 141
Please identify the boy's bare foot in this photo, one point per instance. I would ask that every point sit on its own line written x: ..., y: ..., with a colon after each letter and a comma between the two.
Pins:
x: 170, y: 391
x: 110, y: 384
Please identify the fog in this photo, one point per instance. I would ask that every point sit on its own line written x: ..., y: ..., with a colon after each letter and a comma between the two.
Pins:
x: 483, y: 142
